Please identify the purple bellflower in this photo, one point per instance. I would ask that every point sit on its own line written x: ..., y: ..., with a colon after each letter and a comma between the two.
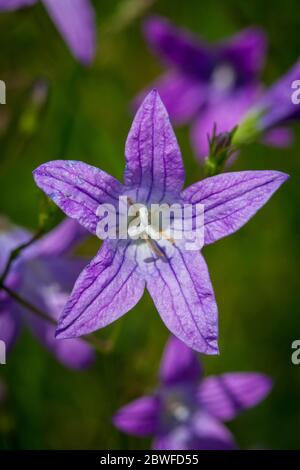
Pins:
x: 208, y: 85
x: 184, y: 414
x: 74, y: 19
x: 205, y: 81
x: 44, y: 275
x: 178, y: 282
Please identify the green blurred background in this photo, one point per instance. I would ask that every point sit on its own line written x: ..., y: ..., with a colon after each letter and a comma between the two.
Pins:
x: 255, y: 272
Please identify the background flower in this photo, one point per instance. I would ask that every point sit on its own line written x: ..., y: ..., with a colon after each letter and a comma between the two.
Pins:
x: 44, y: 275
x: 185, y: 415
x: 204, y: 79
x: 209, y: 84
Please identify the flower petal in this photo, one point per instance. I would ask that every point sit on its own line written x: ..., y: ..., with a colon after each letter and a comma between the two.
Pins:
x: 153, y: 158
x: 204, y: 432
x: 226, y: 395
x: 179, y: 363
x: 225, y: 114
x: 58, y: 241
x: 106, y: 289
x: 14, y: 4
x: 140, y: 417
x: 281, y: 137
x: 277, y: 105
x: 78, y: 189
x: 9, y: 323
x: 247, y: 51
x: 231, y: 199
x: 75, y: 20
x: 73, y: 353
x: 11, y: 237
x: 183, y: 295
x: 212, y: 434
x: 179, y: 48
x: 181, y: 94
x: 47, y: 283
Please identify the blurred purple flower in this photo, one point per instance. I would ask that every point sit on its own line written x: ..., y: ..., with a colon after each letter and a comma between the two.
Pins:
x: 207, y: 84
x: 177, y: 279
x: 44, y: 275
x: 74, y: 19
x: 185, y: 415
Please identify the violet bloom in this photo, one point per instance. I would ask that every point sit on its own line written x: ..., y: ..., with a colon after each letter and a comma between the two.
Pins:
x: 207, y: 84
x: 183, y: 414
x: 44, y: 275
x: 74, y: 19
x: 176, y: 278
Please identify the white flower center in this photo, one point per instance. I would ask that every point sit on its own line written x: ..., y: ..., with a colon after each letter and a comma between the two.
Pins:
x: 223, y: 77
x: 177, y: 408
x: 140, y: 226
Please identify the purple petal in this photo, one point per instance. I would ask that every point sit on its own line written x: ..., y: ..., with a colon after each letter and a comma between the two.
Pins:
x: 153, y: 158
x: 231, y: 199
x: 14, y: 4
x: 179, y: 48
x: 179, y: 363
x: 106, y: 289
x: 75, y: 20
x: 183, y: 295
x: 212, y: 434
x: 78, y: 189
x: 59, y: 241
x: 182, y: 95
x: 227, y: 395
x: 247, y: 51
x: 139, y: 417
x: 281, y: 137
x: 276, y: 104
x: 73, y: 353
x: 204, y: 432
x: 225, y: 113
x: 47, y: 283
x: 9, y: 323
x: 11, y: 237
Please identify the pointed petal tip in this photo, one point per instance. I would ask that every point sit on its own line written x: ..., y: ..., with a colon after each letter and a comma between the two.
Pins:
x: 281, y: 177
x: 152, y: 95
x: 212, y: 349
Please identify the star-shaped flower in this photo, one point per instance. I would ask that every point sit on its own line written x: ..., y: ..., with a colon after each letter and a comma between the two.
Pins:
x: 176, y: 277
x: 43, y: 274
x: 74, y: 19
x: 183, y: 414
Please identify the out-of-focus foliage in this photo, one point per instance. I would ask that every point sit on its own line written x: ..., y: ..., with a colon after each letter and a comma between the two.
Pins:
x: 255, y: 273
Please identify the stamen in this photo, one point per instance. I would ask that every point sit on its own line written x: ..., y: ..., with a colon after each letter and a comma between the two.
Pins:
x: 153, y: 247
x: 166, y: 237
